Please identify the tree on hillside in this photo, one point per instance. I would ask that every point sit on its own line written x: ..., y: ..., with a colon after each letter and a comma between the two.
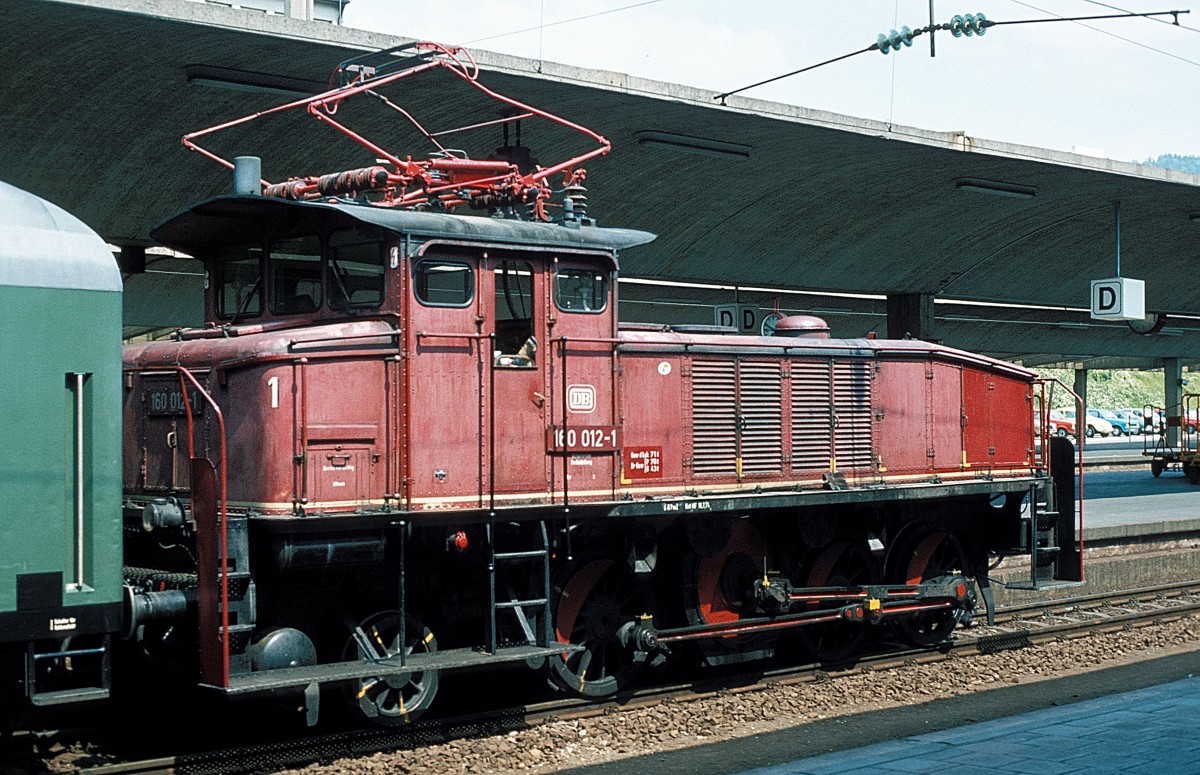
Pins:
x: 1173, y: 161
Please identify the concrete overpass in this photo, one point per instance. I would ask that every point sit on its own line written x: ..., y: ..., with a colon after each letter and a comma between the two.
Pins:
x: 917, y: 226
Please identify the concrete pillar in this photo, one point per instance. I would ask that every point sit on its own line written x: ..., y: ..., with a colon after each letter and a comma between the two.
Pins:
x: 1080, y: 387
x: 1173, y: 396
x: 911, y: 315
x: 300, y: 9
x: 132, y: 259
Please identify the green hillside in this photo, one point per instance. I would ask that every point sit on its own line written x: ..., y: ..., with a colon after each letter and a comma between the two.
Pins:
x: 1111, y: 389
x: 1174, y: 161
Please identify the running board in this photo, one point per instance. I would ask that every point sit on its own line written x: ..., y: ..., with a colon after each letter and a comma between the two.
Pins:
x: 1040, y: 585
x: 453, y: 659
x: 69, y: 696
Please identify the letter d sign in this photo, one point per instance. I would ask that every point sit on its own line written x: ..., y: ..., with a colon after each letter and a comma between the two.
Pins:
x: 1118, y: 298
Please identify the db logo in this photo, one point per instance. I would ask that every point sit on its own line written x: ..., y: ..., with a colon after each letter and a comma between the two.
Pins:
x: 581, y: 399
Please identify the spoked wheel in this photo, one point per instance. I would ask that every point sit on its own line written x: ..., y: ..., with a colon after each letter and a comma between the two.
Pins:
x: 715, y: 591
x: 589, y: 609
x: 391, y: 700
x: 929, y: 554
x: 841, y: 564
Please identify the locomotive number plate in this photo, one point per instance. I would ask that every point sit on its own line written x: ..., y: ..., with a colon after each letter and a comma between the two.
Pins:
x: 591, y: 438
x: 169, y: 403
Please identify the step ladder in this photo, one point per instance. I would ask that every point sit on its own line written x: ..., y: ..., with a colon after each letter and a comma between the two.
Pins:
x: 68, y: 671
x: 1040, y: 539
x: 524, y: 559
x: 243, y: 608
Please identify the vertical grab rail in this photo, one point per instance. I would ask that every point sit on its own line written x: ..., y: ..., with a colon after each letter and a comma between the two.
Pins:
x: 1080, y: 424
x: 75, y: 381
x: 186, y: 376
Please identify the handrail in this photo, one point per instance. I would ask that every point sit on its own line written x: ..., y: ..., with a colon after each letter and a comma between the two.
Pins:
x: 450, y: 335
x: 1080, y: 424
x: 77, y: 379
x: 184, y: 374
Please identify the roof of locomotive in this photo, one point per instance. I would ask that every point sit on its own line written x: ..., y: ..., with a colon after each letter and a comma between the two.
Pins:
x: 656, y: 338
x: 236, y: 218
x: 44, y: 246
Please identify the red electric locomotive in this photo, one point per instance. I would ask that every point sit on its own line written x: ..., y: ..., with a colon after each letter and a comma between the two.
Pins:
x: 410, y: 441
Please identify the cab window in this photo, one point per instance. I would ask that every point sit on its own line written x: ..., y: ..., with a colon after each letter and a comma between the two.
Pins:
x: 294, y: 269
x: 443, y: 283
x: 238, y: 281
x: 580, y: 290
x: 515, y: 343
x: 354, y: 277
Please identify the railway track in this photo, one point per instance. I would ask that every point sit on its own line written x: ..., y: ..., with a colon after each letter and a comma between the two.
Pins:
x: 1017, y: 627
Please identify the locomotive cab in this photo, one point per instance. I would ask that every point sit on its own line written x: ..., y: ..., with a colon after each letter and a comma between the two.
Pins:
x: 296, y: 279
x: 406, y: 359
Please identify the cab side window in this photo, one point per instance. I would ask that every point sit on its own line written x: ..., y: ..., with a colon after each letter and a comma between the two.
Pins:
x: 354, y: 277
x: 443, y: 283
x: 237, y: 277
x: 294, y: 270
x: 580, y: 290
x: 515, y: 344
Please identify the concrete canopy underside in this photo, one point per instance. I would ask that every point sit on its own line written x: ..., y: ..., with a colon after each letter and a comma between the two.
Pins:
x: 97, y: 96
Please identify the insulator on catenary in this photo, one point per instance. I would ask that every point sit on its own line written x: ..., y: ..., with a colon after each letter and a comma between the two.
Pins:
x: 365, y: 179
x: 292, y: 189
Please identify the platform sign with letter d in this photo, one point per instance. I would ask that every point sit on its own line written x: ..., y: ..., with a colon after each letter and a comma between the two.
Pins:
x: 744, y: 317
x: 1118, y: 298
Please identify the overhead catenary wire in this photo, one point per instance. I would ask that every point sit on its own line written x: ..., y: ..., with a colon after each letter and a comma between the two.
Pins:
x: 1078, y: 21
x: 1175, y: 23
x: 983, y: 25
x: 542, y: 26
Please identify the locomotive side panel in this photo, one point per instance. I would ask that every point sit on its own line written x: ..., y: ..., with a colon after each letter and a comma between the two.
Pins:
x: 443, y: 408
x: 902, y: 411
x: 853, y: 422
x: 583, y: 381
x: 341, y: 431
x: 944, y: 409
x: 831, y: 418
x: 516, y: 306
x: 261, y: 405
x: 737, y: 420
x: 655, y: 421
x: 1012, y: 430
x: 996, y: 434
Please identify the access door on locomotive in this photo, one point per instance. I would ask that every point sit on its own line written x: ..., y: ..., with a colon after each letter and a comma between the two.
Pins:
x: 505, y: 344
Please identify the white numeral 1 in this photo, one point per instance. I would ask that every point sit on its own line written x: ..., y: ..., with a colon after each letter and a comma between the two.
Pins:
x: 273, y: 382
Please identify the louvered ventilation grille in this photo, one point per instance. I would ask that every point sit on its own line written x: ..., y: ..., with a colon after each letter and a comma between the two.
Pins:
x: 852, y: 403
x: 810, y: 416
x: 714, y: 440
x: 761, y: 394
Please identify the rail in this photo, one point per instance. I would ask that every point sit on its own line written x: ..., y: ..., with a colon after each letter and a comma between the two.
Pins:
x: 1021, y: 627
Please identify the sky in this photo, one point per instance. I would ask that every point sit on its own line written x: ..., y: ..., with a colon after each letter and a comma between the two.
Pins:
x: 1127, y: 89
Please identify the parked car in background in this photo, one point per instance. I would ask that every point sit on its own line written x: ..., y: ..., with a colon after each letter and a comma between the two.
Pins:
x: 1096, y: 426
x: 1120, y: 426
x: 1135, y: 422
x: 1060, y: 424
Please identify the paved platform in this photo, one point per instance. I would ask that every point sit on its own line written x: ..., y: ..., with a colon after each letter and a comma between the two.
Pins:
x: 1137, y: 717
x: 1146, y: 731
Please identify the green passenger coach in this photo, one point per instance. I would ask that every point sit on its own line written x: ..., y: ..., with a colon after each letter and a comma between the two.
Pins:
x: 60, y: 455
